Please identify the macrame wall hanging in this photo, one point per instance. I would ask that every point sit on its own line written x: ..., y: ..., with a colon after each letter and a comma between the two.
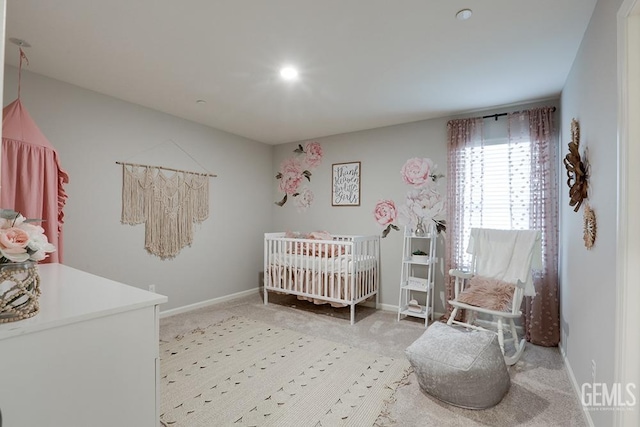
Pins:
x: 168, y: 204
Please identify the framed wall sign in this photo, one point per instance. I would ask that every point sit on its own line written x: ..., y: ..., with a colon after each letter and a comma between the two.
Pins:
x: 345, y: 184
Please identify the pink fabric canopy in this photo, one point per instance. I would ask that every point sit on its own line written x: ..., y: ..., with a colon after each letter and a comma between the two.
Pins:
x: 32, y: 179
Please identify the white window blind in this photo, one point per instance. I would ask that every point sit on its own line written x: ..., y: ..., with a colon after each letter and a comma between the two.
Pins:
x: 497, y: 185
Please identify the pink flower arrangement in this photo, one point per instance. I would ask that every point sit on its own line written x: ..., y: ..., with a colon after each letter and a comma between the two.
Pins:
x: 294, y: 170
x: 20, y: 239
x: 422, y: 203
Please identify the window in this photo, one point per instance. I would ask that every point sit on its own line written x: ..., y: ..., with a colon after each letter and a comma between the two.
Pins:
x: 496, y: 192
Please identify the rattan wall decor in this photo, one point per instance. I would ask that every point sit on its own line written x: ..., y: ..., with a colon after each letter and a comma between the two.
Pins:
x: 577, y: 177
x: 590, y: 228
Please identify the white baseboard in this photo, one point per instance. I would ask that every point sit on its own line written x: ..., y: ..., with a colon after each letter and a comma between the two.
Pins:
x: 185, y: 308
x: 574, y: 384
x: 388, y: 307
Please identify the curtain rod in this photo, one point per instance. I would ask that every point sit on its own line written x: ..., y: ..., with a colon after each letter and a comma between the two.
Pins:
x: 495, y: 116
x: 167, y: 169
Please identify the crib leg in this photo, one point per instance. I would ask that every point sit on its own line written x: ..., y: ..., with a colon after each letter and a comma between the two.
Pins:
x: 266, y: 296
x: 353, y: 313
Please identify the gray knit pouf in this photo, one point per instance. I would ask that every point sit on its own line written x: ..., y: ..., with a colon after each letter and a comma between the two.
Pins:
x: 463, y: 368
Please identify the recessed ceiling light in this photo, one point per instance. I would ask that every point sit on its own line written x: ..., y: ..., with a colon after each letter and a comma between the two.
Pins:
x: 288, y: 73
x: 464, y: 14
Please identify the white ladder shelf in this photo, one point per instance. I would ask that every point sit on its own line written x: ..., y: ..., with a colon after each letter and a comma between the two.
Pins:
x: 417, y: 275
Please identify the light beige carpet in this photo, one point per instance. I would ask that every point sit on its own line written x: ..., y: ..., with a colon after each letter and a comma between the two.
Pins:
x: 541, y: 393
x: 242, y: 372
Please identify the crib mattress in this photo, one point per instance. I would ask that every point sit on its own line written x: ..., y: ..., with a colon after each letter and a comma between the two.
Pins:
x: 339, y: 264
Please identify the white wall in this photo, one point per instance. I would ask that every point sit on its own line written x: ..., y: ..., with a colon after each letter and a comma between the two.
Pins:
x: 92, y: 131
x: 588, y: 281
x: 382, y: 153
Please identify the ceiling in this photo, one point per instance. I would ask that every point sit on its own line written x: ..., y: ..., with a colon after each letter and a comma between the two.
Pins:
x: 363, y: 63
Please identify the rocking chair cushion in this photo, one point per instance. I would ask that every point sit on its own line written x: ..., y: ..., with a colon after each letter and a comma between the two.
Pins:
x: 462, y: 368
x: 488, y: 293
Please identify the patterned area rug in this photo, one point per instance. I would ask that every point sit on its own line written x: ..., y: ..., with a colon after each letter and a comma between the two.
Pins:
x: 242, y: 372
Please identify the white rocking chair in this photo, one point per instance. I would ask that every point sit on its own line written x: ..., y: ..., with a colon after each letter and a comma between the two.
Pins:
x: 499, y: 256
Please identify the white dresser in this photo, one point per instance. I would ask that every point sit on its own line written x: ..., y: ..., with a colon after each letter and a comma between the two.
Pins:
x: 88, y: 358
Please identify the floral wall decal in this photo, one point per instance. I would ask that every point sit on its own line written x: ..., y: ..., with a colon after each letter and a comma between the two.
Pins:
x: 423, y: 202
x: 386, y: 214
x: 294, y: 170
x: 418, y: 172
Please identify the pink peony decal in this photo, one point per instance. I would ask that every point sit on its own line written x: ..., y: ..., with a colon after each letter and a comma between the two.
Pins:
x: 417, y: 171
x: 294, y: 170
x: 385, y: 214
x: 290, y: 176
x: 313, y: 154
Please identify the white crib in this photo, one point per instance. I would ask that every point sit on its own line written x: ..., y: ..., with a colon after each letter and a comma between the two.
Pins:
x: 343, y: 271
